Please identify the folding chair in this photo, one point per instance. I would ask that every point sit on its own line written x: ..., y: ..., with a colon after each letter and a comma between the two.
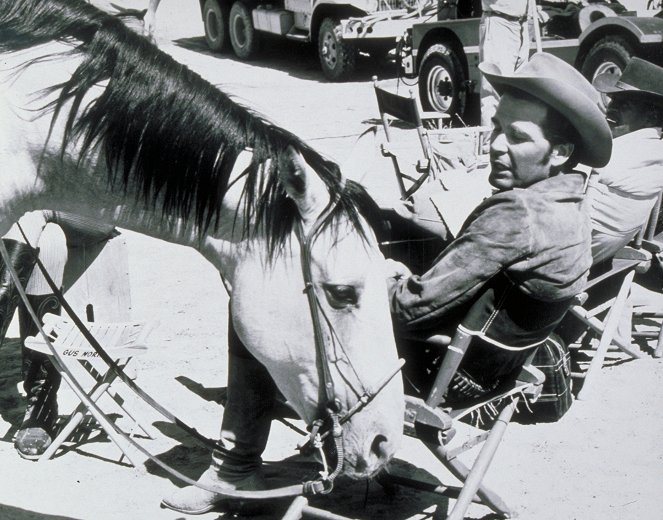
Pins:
x: 122, y: 341
x: 648, y: 241
x: 608, y: 295
x: 96, y: 281
x: 433, y: 419
x: 406, y: 109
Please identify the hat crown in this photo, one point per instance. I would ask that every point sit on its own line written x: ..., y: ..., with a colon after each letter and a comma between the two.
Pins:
x: 544, y: 65
x: 642, y: 75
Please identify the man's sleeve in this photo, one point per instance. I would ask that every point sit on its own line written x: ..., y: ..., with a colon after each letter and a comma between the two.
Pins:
x: 494, y: 236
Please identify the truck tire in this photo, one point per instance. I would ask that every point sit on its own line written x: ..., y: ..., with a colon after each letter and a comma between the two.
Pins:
x: 215, y: 19
x: 244, y: 38
x: 441, y: 81
x: 338, y: 58
x: 609, y: 54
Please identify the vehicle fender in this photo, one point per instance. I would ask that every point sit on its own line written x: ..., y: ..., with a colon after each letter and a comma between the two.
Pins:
x: 340, y: 9
x: 644, y: 30
x: 461, y: 35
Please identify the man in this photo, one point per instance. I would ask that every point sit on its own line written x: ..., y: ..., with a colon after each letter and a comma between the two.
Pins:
x: 503, y: 41
x: 531, y: 240
x: 625, y: 190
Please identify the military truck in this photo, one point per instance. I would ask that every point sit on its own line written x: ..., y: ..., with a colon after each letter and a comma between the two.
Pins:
x: 444, y: 54
x: 339, y: 28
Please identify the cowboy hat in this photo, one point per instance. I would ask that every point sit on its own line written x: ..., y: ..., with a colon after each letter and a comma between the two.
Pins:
x: 640, y: 79
x: 563, y: 88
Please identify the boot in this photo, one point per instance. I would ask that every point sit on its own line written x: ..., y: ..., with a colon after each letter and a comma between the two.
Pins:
x: 244, y: 432
x: 23, y: 259
x: 41, y: 381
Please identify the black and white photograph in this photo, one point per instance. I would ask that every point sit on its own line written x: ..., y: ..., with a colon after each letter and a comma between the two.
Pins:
x: 331, y: 259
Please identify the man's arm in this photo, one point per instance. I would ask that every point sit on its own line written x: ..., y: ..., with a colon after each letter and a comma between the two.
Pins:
x: 151, y: 17
x: 495, y: 236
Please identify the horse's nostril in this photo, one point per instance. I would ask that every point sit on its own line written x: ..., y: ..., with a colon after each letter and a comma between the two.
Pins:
x: 378, y: 447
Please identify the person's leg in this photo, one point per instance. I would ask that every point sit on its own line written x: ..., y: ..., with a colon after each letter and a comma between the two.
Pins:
x: 22, y: 259
x: 244, y: 431
x: 506, y: 44
x: 41, y: 379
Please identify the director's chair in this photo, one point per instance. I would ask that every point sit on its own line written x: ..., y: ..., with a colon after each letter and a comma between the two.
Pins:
x: 96, y: 281
x: 433, y: 413
x: 122, y: 341
x: 405, y: 109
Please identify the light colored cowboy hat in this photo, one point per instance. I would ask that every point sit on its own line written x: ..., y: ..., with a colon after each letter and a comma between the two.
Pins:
x: 640, y: 80
x: 560, y: 86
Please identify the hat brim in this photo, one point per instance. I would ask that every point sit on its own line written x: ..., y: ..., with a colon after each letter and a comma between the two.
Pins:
x: 640, y: 96
x: 607, y: 83
x: 589, y: 122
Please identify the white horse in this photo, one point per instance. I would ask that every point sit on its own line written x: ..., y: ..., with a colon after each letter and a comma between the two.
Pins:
x: 97, y: 121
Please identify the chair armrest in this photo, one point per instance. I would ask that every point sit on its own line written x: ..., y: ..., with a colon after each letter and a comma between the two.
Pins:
x: 434, y: 115
x: 631, y: 253
x: 416, y: 410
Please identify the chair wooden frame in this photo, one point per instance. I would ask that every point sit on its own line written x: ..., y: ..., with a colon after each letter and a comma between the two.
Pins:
x: 424, y: 417
x: 607, y: 328
x: 122, y: 341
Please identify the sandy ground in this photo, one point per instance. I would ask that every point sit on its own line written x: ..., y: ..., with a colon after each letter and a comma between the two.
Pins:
x: 602, y: 461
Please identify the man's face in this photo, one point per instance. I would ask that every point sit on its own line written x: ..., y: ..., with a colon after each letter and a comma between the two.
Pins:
x: 625, y: 116
x: 520, y: 154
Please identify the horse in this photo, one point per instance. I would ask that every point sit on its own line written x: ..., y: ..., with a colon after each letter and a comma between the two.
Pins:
x: 97, y: 121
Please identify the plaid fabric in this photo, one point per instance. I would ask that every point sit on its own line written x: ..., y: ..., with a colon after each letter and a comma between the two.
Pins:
x: 553, y: 359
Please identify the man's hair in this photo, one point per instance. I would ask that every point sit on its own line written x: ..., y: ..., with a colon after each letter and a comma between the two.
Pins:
x: 556, y: 128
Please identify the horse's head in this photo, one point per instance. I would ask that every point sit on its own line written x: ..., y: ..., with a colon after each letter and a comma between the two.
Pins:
x: 275, y: 318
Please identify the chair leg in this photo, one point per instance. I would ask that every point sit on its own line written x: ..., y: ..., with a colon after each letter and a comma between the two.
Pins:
x: 78, y: 416
x: 611, y: 323
x: 462, y: 472
x: 480, y: 467
x: 659, y: 345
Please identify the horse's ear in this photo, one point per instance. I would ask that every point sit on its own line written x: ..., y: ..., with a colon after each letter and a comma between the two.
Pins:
x: 303, y: 185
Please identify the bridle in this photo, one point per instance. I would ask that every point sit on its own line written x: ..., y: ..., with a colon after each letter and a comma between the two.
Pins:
x: 330, y: 410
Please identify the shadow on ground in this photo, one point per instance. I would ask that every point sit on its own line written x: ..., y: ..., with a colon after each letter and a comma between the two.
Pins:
x: 296, y: 59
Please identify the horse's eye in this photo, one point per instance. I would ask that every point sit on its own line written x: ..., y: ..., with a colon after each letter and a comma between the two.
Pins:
x: 340, y: 296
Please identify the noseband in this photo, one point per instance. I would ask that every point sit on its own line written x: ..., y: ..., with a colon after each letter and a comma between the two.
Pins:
x: 330, y: 409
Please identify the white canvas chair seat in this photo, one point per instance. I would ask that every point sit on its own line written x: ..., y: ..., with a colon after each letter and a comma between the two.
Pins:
x: 121, y: 341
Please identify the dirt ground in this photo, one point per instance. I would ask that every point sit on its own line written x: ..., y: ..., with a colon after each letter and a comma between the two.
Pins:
x: 602, y: 461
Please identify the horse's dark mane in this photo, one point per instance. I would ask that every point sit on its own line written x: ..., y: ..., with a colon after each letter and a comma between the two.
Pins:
x: 163, y: 128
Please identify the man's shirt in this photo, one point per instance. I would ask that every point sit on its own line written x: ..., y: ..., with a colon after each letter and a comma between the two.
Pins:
x: 624, y: 192
x: 516, y: 8
x: 539, y: 236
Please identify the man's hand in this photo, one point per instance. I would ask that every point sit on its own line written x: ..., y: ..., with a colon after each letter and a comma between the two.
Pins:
x: 395, y: 270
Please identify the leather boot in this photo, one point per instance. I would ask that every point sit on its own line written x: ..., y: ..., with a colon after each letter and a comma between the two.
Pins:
x: 244, y: 432
x: 23, y: 259
x: 41, y: 381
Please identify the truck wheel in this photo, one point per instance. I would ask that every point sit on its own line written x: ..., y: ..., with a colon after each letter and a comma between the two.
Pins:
x: 441, y: 81
x: 216, y: 25
x: 243, y: 36
x: 338, y: 58
x: 609, y: 54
